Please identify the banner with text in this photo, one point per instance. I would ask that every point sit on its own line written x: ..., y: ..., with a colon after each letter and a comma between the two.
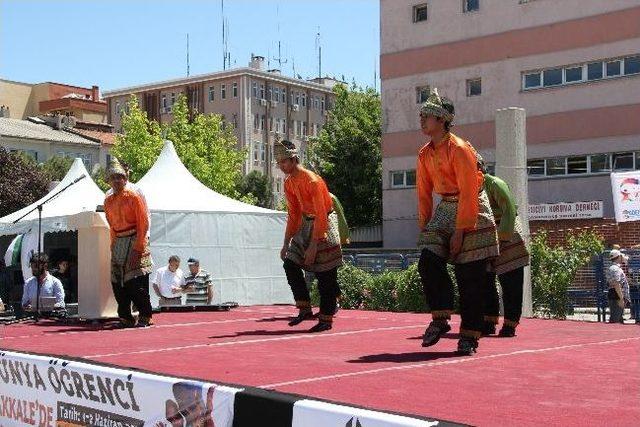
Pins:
x: 625, y: 187
x: 46, y: 392
x: 569, y: 210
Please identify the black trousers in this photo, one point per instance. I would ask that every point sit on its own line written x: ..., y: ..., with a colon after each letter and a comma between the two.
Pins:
x: 511, y: 283
x: 438, y: 290
x: 134, y: 291
x: 327, y: 286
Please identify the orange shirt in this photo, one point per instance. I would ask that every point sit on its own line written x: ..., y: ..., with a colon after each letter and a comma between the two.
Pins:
x: 307, y: 194
x: 127, y: 211
x: 450, y: 168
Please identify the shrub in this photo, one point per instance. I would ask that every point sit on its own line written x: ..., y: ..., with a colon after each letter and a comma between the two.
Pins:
x: 553, y: 270
x: 381, y: 291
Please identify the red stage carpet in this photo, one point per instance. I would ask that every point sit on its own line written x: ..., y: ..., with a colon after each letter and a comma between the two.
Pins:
x: 553, y: 373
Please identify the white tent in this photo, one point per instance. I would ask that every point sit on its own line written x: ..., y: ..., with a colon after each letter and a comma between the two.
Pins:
x: 239, y: 244
x: 80, y: 197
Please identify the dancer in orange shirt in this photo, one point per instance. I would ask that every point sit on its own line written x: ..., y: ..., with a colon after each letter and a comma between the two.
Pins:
x: 312, y: 239
x: 128, y: 220
x: 461, y: 231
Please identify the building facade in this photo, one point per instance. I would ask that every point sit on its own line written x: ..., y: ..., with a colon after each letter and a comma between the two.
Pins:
x: 41, y: 139
x: 22, y: 100
x: 573, y: 65
x: 261, y: 106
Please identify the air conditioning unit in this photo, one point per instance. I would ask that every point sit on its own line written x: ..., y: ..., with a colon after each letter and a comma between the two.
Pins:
x: 263, y: 102
x: 295, y: 107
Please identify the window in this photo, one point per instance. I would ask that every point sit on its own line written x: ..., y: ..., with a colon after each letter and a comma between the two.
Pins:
x: 638, y: 160
x: 297, y: 98
x: 108, y: 158
x: 262, y: 152
x: 117, y: 107
x: 631, y: 65
x: 535, y: 167
x: 261, y: 91
x: 613, y: 68
x: 600, y: 163
x: 283, y: 95
x: 470, y: 5
x: 403, y: 179
x: 474, y: 87
x: 164, y: 102
x: 276, y: 94
x: 532, y: 80
x: 577, y: 165
x: 256, y: 121
x: 173, y: 98
x: 556, y: 166
x: 420, y: 13
x: 255, y: 151
x: 262, y: 122
x: 223, y: 91
x: 422, y: 93
x: 269, y: 93
x: 594, y: 71
x: 573, y: 74
x: 410, y: 178
x: 322, y: 103
x: 304, y: 99
x: 623, y: 161
x: 254, y: 89
x: 235, y: 89
x: 552, y: 77
x: 212, y: 93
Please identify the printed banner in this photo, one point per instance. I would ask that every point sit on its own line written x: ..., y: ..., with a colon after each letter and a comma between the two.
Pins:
x: 625, y: 187
x: 46, y: 392
x: 311, y: 413
x: 569, y: 210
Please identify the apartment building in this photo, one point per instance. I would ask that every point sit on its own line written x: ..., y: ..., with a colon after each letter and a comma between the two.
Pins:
x: 574, y: 65
x: 261, y: 105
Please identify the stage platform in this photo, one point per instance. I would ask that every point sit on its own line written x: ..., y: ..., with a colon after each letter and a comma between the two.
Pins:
x: 563, y: 373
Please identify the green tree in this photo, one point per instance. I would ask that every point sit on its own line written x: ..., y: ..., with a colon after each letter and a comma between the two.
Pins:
x: 347, y: 153
x: 140, y: 142
x: 205, y: 144
x: 56, y: 167
x: 99, y: 176
x: 259, y: 186
x: 553, y: 269
x: 22, y: 182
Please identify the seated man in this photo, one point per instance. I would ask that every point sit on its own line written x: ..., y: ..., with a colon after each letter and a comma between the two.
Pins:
x: 50, y: 287
x: 199, y: 287
x: 63, y: 273
x: 169, y: 283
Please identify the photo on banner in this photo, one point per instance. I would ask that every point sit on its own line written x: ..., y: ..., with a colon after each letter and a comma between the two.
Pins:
x: 625, y: 187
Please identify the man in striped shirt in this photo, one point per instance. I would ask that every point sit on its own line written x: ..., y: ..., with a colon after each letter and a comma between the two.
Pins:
x: 199, y: 287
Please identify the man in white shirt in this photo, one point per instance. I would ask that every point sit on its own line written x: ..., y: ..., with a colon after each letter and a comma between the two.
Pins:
x: 49, y: 285
x: 169, y: 283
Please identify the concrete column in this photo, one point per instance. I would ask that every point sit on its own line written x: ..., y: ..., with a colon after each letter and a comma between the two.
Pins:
x: 511, y: 166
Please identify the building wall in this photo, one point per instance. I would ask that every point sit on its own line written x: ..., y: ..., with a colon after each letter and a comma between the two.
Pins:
x: 47, y: 149
x: 16, y: 96
x: 498, y: 44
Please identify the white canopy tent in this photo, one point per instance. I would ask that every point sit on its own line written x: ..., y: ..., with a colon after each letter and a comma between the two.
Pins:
x: 239, y: 244
x: 82, y: 196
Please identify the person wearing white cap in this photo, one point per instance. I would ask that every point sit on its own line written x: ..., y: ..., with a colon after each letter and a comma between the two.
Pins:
x: 618, y: 293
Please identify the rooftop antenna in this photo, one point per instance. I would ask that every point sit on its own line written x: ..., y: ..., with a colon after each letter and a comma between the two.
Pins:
x: 187, y: 54
x: 319, y: 51
x: 375, y: 74
x: 226, y: 56
x: 279, y: 59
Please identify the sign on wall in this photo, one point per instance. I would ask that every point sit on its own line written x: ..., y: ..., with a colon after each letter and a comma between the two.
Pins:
x: 625, y: 187
x: 570, y: 210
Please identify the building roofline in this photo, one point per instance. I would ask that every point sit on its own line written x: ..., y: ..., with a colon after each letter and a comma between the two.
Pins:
x: 67, y: 85
x: 16, y: 82
x: 218, y: 74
